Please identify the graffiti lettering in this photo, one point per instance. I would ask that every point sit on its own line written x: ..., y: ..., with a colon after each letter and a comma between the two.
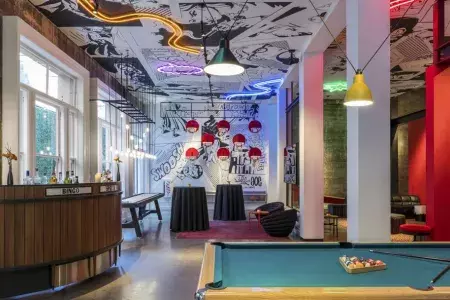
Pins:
x: 256, y: 181
x: 167, y: 166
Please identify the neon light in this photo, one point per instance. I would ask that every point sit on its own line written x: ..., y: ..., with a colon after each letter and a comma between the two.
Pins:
x: 397, y: 3
x: 335, y: 86
x: 173, y: 40
x: 262, y: 86
x: 180, y: 69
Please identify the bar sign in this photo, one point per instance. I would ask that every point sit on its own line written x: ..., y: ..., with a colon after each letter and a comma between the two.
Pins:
x: 68, y: 191
x: 108, y: 188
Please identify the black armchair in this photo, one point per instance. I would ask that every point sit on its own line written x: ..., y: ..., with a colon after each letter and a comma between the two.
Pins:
x: 280, y: 223
x: 271, y: 207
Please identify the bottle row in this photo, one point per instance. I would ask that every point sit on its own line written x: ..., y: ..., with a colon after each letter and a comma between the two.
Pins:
x: 36, y: 179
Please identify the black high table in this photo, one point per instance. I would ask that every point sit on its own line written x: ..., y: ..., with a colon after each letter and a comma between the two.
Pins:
x: 189, y: 209
x: 229, y: 203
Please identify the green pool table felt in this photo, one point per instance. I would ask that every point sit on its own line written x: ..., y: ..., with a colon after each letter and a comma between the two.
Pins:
x: 254, y: 265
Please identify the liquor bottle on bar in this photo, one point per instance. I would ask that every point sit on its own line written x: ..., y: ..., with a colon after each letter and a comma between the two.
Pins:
x: 67, y: 179
x: 27, y: 180
x: 72, y: 176
x: 76, y: 180
x: 37, y: 178
x: 60, y: 179
x: 53, y: 179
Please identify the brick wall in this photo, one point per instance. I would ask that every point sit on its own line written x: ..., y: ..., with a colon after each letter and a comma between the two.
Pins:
x: 335, y: 152
x: 407, y: 103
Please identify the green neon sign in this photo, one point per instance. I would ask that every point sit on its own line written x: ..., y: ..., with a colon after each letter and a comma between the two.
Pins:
x: 335, y: 86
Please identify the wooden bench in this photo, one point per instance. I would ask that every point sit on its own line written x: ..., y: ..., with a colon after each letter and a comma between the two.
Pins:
x: 140, y: 201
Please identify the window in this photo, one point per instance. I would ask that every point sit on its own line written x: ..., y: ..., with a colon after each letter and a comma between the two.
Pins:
x: 50, y: 119
x: 33, y: 72
x: 106, y: 157
x: 112, y: 136
x: 44, y: 77
x: 46, y: 117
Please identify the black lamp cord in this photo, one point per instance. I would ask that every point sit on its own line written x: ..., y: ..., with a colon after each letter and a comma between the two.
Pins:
x: 384, y: 41
x: 215, y: 23
x: 236, y: 18
x: 205, y: 53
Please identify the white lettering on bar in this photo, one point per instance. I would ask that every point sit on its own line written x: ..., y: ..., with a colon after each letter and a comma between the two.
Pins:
x: 108, y: 188
x: 68, y: 191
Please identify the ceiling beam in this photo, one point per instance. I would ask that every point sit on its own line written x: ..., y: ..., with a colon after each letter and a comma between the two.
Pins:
x: 336, y: 22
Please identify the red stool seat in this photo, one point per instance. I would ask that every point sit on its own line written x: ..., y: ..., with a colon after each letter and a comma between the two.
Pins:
x: 415, y: 230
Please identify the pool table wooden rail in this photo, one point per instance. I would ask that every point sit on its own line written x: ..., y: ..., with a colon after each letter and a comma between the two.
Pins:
x: 291, y: 293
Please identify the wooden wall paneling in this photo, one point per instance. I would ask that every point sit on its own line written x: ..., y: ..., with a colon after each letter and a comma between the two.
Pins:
x: 108, y: 228
x: 113, y: 222
x: 65, y: 238
x: 2, y: 228
x: 87, y: 223
x: 19, y: 227
x: 9, y: 235
x: 101, y: 223
x: 48, y: 230
x: 76, y: 225
x: 96, y: 221
x: 56, y: 230
x: 29, y: 226
x: 38, y: 225
x: 118, y: 222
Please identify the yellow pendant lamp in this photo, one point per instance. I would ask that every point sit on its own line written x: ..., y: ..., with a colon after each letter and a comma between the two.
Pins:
x: 359, y: 93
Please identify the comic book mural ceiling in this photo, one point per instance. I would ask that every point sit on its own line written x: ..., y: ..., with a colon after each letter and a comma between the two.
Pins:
x: 260, y: 39
x: 411, y: 49
x: 172, y: 140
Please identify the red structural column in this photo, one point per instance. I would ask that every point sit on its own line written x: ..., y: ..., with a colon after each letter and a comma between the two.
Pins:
x: 437, y: 154
x: 417, y: 184
x: 438, y: 136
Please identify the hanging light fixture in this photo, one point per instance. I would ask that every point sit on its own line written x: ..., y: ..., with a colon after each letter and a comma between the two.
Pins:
x: 192, y: 154
x: 223, y: 126
x: 359, y: 93
x: 239, y: 140
x: 223, y: 153
x: 254, y: 126
x: 224, y: 63
x: 192, y: 126
x: 254, y: 154
x: 207, y: 139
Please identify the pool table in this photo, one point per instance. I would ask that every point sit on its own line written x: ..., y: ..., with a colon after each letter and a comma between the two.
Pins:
x: 294, y: 270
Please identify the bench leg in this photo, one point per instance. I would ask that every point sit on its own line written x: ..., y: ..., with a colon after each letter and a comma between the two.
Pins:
x: 158, y: 211
x: 141, y: 211
x: 135, y: 219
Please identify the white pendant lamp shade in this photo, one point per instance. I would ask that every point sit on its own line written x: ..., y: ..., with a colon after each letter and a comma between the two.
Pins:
x: 224, y: 63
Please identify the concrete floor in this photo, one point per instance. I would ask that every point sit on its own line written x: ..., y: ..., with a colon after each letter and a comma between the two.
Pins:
x: 158, y: 266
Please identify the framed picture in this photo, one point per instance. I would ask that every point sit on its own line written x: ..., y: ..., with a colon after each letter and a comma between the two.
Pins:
x: 291, y: 164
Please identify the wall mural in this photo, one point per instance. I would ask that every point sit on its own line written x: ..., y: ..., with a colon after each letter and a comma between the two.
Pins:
x: 260, y: 37
x: 291, y: 164
x: 172, y: 140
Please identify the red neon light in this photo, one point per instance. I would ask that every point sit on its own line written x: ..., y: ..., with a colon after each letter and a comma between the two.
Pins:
x: 397, y: 3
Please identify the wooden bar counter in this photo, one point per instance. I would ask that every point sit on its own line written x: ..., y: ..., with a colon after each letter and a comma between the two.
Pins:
x: 54, y: 235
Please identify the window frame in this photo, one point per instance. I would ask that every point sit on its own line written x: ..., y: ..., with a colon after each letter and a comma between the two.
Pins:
x: 67, y: 153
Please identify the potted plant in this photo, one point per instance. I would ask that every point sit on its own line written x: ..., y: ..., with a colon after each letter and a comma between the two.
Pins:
x: 10, y: 157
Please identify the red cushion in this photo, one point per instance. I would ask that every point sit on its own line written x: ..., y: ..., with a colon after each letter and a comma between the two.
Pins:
x: 415, y: 228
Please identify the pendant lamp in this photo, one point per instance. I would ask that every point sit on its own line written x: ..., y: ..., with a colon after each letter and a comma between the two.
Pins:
x: 359, y: 93
x: 224, y: 63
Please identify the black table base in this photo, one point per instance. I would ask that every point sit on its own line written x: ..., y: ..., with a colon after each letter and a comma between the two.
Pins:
x: 189, y: 209
x: 229, y: 203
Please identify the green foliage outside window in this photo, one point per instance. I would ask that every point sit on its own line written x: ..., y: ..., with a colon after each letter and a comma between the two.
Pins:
x: 45, y: 139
